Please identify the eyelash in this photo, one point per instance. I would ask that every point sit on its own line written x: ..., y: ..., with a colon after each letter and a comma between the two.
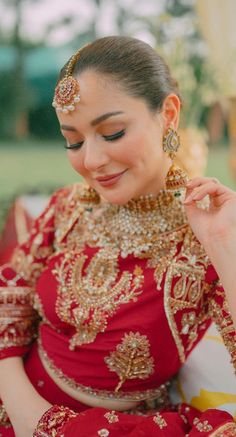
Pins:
x: 113, y: 137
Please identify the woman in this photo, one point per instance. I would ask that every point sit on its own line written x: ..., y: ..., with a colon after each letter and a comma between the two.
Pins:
x: 122, y: 279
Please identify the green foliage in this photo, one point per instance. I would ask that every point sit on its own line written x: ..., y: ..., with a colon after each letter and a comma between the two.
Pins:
x: 31, y: 164
x: 13, y: 98
x: 174, y: 31
x: 177, y: 8
x: 178, y: 40
x: 7, y: 92
x: 196, y: 80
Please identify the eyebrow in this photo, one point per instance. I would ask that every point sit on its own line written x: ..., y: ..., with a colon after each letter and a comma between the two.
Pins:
x: 94, y: 122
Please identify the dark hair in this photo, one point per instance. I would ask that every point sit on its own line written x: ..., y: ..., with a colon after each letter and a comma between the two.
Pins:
x: 133, y: 64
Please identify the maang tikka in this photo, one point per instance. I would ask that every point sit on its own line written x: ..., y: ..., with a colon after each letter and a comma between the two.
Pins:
x: 176, y: 178
x: 67, y: 90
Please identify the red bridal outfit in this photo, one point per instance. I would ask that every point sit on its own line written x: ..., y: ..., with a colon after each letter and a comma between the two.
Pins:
x: 111, y: 300
x: 18, y: 222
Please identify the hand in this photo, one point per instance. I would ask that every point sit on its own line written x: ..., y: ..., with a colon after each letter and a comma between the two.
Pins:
x: 23, y: 403
x: 218, y: 223
x: 215, y: 228
x: 25, y: 426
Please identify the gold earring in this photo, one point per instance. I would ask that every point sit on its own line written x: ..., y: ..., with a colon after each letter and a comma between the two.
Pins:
x: 176, y: 178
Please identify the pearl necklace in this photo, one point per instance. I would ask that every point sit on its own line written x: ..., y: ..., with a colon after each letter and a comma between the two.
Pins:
x: 133, y: 228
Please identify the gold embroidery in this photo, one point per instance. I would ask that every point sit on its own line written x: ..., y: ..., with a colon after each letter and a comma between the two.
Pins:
x: 16, y: 333
x: 111, y: 416
x: 202, y: 426
x: 151, y: 406
x: 149, y: 228
x: 68, y: 210
x: 159, y: 420
x: 160, y: 394
x: 103, y: 432
x: 188, y: 321
x: 52, y: 420
x: 220, y: 314
x: 4, y: 419
x: 25, y: 265
x: 141, y: 227
x: 226, y: 430
x: 38, y: 306
x: 184, y: 291
x: 17, y: 317
x: 95, y: 291
x: 14, y: 294
x: 163, y: 252
x: 28, y: 261
x: 11, y: 292
x: 131, y: 358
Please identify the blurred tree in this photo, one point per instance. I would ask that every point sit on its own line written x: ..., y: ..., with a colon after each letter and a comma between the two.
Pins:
x: 178, y: 8
x: 19, y: 86
x: 15, y: 95
x: 85, y: 33
x: 173, y: 31
x: 179, y: 41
